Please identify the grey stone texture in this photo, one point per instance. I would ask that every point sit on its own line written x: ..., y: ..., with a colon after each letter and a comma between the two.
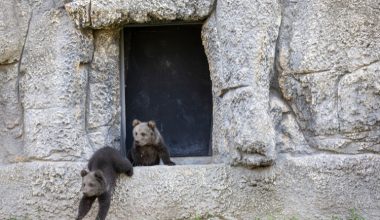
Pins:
x: 310, y: 187
x: 295, y: 98
x: 105, y: 14
x: 328, y: 54
x: 241, y: 59
x: 11, y: 123
x: 60, y: 98
x: 14, y: 17
x: 289, y: 137
x: 53, y: 84
x: 103, y: 91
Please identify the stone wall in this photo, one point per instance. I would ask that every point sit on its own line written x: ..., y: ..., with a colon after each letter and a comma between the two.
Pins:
x: 14, y: 25
x: 61, y: 85
x: 328, y: 61
x: 310, y: 187
x: 296, y: 93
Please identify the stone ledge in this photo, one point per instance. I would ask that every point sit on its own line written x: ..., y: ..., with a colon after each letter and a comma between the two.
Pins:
x: 99, y: 14
x: 311, y: 187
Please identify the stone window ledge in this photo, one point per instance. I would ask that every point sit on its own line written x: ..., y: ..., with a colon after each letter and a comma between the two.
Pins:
x: 98, y: 14
x: 192, y: 160
x: 50, y: 190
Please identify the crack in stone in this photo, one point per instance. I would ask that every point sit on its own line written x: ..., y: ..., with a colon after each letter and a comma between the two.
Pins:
x: 89, y: 13
x: 365, y: 65
x: 307, y: 72
x: 277, y: 69
x: 338, y: 101
x: 48, y: 158
x: 87, y: 92
x: 223, y: 92
x: 276, y: 65
x: 87, y: 101
x: 19, y: 73
x: 310, y: 72
x: 9, y: 64
x: 87, y: 98
x: 50, y: 107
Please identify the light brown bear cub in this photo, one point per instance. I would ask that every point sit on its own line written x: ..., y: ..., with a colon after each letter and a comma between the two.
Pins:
x: 148, y: 145
x: 104, y: 167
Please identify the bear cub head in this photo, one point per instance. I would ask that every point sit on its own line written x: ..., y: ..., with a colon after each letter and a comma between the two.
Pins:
x: 145, y: 133
x: 93, y: 183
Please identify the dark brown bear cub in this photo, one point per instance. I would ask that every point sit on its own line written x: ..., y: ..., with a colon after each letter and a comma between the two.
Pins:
x: 104, y: 167
x: 148, y: 145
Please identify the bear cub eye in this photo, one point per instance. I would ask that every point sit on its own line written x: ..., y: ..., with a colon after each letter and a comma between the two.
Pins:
x: 91, y: 185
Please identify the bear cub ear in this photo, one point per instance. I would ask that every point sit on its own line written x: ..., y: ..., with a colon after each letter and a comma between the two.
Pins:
x: 152, y: 124
x: 83, y: 173
x: 135, y: 122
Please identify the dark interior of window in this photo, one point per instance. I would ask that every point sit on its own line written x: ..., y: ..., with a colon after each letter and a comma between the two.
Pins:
x: 167, y: 80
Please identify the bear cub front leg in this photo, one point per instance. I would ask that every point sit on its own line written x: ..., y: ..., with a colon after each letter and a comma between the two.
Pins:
x: 99, y: 182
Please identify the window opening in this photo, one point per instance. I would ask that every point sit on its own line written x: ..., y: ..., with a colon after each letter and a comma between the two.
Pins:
x: 167, y: 79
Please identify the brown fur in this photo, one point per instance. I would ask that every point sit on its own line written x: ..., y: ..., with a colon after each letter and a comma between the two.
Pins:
x: 105, y: 166
x: 148, y: 145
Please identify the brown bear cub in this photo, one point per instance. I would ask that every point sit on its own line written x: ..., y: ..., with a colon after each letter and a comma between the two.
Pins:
x: 104, y: 167
x: 148, y: 145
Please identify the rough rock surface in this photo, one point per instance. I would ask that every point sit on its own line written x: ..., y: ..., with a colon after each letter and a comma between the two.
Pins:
x: 14, y: 18
x: 53, y: 84
x: 104, y: 14
x: 241, y: 59
x: 289, y: 137
x: 11, y: 129
x: 329, y: 71
x: 311, y: 187
x: 59, y: 101
x: 103, y: 92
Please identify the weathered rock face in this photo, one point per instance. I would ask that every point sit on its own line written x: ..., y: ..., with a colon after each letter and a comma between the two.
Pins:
x: 105, y: 14
x: 103, y: 91
x: 310, y: 187
x: 57, y: 102
x: 13, y: 28
x: 53, y: 84
x: 289, y: 137
x: 14, y: 18
x: 241, y: 58
x: 11, y: 129
x: 329, y: 71
x: 291, y: 81
x: 241, y: 90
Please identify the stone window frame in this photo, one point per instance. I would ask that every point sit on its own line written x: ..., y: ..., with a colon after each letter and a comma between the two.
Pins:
x: 182, y: 160
x: 241, y: 62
